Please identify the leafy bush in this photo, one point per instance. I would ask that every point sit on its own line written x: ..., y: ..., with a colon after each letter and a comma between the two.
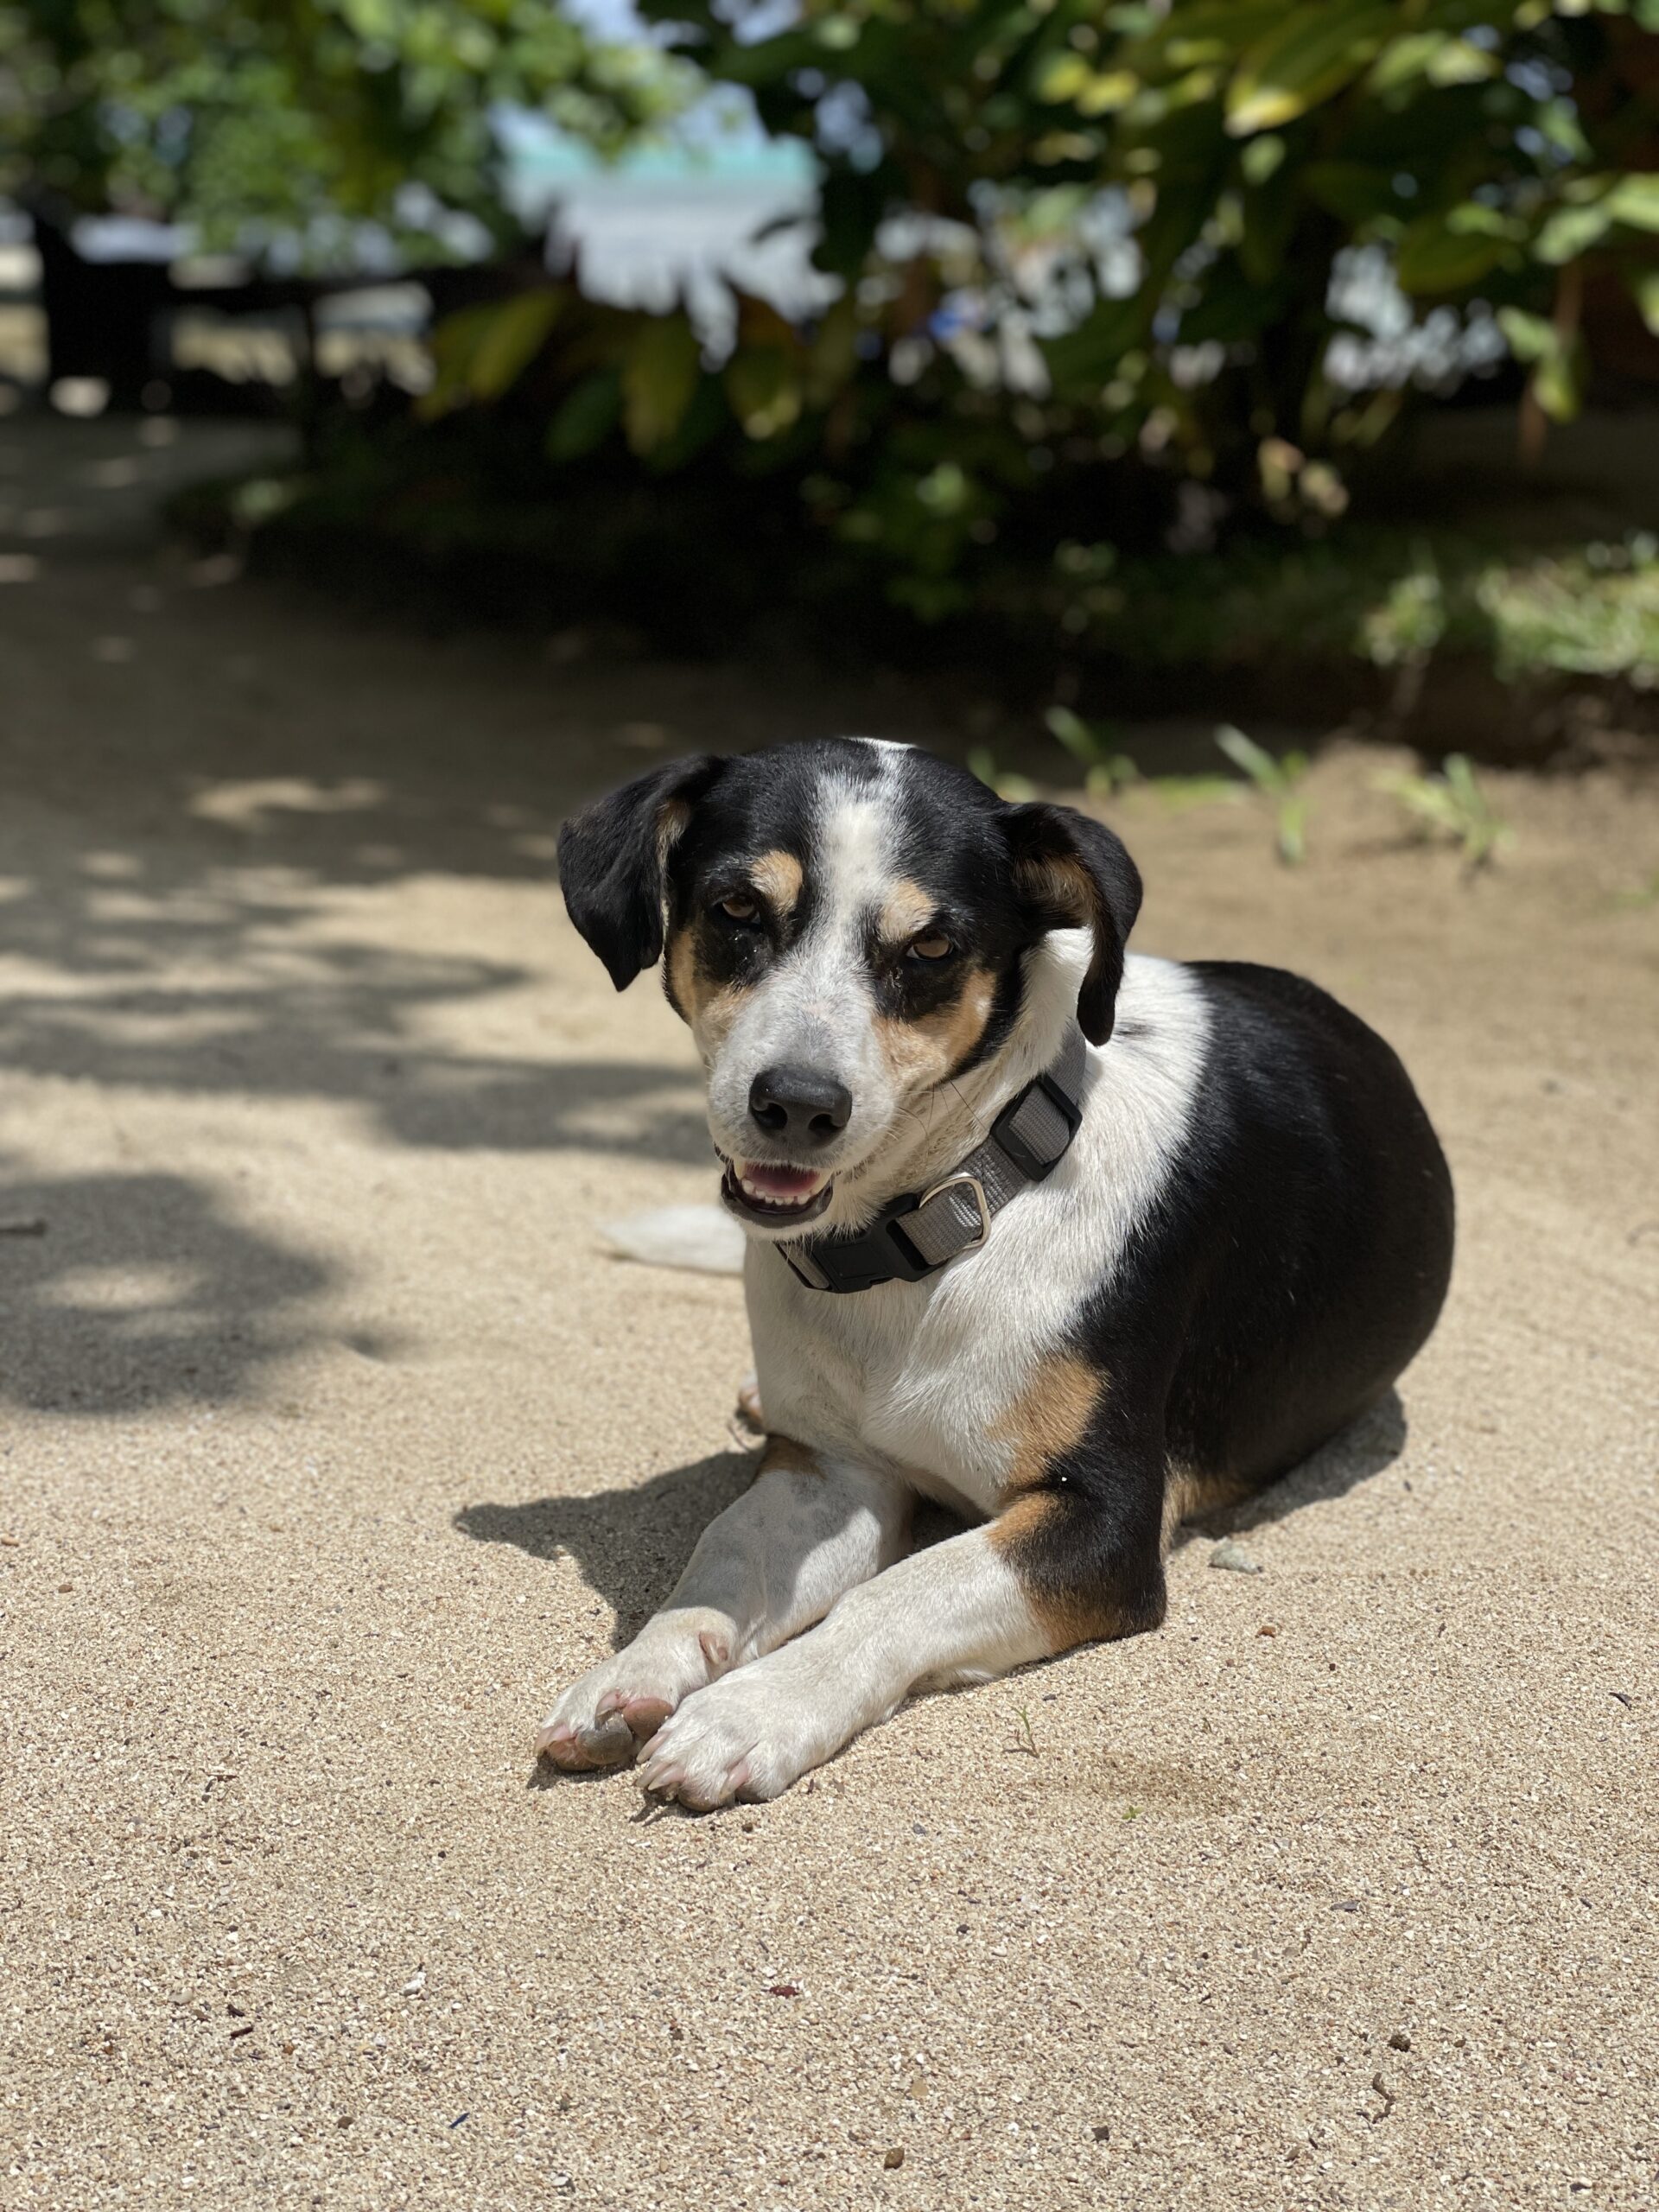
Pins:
x: 1086, y: 257
x: 1085, y: 320
x: 285, y: 123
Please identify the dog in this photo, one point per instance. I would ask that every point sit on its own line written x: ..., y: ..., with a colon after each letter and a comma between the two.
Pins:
x: 1077, y: 1243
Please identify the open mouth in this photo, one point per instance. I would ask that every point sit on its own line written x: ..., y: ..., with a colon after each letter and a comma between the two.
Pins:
x: 772, y: 1197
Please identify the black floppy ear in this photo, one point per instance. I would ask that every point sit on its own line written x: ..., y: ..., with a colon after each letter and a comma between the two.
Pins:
x: 613, y: 859
x: 1071, y: 872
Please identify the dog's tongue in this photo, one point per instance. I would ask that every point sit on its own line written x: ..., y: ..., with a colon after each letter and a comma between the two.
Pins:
x: 781, y: 1182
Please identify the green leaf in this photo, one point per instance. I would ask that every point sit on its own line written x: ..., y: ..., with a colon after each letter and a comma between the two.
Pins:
x: 1062, y: 77
x: 1231, y: 305
x: 1438, y: 58
x: 1093, y: 350
x: 1436, y: 255
x: 764, y: 385
x: 1644, y: 291
x: 1352, y: 191
x: 1313, y: 53
x: 1403, y: 59
x: 1109, y: 92
x: 1253, y: 759
x: 587, y: 417
x: 1635, y: 200
x: 509, y: 341
x: 1558, y: 382
x: 1530, y: 336
x: 1269, y: 220
x: 1458, y: 62
x: 659, y: 378
x: 1571, y: 231
x: 1261, y: 158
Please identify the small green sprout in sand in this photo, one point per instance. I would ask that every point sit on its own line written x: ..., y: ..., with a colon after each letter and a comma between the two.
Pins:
x: 1278, y: 781
x: 1451, y: 805
x: 1089, y: 744
x: 1029, y: 1742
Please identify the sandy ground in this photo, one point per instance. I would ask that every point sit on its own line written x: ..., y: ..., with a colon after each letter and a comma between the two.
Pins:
x: 333, y: 1444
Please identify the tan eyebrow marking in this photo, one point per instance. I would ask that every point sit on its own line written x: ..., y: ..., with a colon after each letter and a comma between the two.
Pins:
x: 905, y: 912
x: 708, y: 1008
x: 777, y: 877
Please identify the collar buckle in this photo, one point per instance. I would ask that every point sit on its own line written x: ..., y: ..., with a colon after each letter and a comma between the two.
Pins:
x: 962, y: 1180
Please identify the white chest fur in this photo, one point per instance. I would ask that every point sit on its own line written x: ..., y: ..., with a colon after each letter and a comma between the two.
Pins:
x: 919, y: 1377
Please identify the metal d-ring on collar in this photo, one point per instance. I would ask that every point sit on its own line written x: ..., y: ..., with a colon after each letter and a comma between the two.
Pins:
x: 915, y: 1236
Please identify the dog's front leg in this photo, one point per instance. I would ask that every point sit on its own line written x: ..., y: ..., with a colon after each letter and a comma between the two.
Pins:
x: 770, y: 1565
x: 1054, y: 1571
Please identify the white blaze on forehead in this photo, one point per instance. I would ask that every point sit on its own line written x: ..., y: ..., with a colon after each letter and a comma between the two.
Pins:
x: 854, y: 848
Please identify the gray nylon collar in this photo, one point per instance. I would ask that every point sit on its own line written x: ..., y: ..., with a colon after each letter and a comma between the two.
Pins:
x: 917, y: 1235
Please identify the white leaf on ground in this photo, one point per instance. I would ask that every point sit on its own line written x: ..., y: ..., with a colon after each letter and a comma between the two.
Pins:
x: 1230, y: 1553
x: 702, y: 1238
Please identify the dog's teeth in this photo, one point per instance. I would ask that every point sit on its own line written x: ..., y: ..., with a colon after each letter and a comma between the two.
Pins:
x: 769, y: 1202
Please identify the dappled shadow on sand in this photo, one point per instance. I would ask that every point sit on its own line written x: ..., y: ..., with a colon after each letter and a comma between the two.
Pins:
x: 175, y: 978
x: 157, y: 970
x: 124, y: 1291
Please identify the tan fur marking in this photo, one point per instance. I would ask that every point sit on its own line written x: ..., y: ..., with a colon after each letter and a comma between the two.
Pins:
x: 670, y: 827
x: 1067, y: 1619
x: 777, y: 877
x: 1049, y: 1417
x: 710, y: 1008
x: 921, y: 1053
x: 1066, y: 883
x: 1189, y: 1495
x: 782, y: 1452
x: 682, y: 974
x: 907, y: 911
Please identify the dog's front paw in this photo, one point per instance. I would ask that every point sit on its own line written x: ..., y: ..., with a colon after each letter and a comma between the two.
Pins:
x: 749, y: 1736
x: 602, y: 1719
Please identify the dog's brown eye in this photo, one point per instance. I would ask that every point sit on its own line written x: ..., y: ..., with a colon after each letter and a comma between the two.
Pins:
x: 738, y: 907
x: 934, y: 946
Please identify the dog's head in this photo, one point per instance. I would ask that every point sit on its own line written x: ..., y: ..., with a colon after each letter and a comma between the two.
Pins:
x: 852, y: 930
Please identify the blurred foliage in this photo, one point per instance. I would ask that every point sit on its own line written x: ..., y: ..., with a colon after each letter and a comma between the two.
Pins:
x: 1085, y: 257
x: 1097, y: 747
x: 1451, y: 805
x: 1278, y: 780
x: 1396, y: 599
x: 296, y: 120
x: 1081, y: 255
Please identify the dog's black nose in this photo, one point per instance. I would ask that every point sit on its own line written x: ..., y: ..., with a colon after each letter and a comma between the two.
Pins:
x: 800, y: 1104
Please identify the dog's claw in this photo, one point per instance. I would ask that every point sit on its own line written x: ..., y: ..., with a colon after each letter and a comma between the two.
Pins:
x: 555, y: 1742
x: 645, y: 1715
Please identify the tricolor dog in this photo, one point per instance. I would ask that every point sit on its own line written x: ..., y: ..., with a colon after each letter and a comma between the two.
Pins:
x: 1077, y: 1244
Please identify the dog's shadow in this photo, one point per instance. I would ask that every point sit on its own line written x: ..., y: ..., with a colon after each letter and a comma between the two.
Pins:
x: 1352, y: 1456
x: 630, y: 1545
